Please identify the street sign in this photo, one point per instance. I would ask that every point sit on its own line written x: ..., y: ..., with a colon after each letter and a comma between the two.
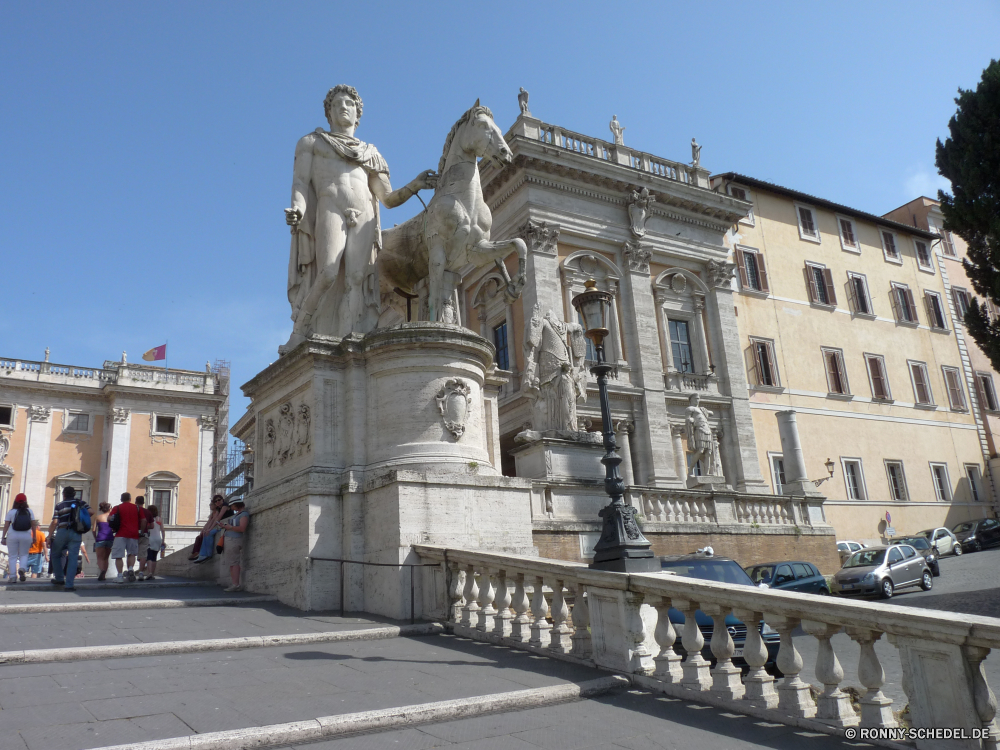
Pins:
x: 889, y: 531
x: 888, y: 519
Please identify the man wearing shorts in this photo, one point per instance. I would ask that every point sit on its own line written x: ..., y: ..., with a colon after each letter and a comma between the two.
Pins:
x: 234, y: 530
x: 36, y: 555
x: 131, y: 523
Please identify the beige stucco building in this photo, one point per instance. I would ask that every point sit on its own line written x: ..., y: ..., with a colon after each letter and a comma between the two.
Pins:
x: 847, y: 318
x: 118, y: 428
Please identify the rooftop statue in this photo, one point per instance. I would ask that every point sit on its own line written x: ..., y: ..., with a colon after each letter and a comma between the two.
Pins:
x: 522, y: 102
x: 695, y: 153
x: 337, y: 184
x: 617, y: 130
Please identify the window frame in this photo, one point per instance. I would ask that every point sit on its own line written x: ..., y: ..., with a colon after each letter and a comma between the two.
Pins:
x: 910, y: 303
x: 986, y: 397
x: 506, y: 348
x: 956, y: 293
x: 670, y: 342
x: 975, y: 486
x: 856, y: 248
x: 776, y: 483
x: 13, y: 416
x: 154, y: 418
x: 902, y: 476
x: 862, y: 487
x: 741, y: 251
x: 964, y: 405
x: 853, y: 294
x: 812, y: 286
x: 932, y: 323
x: 803, y: 235
x: 949, y: 495
x: 841, y: 372
x: 885, y: 378
x: 898, y: 260
x: 929, y: 267
x: 930, y: 403
x: 69, y: 414
x: 774, y: 373
x: 751, y: 221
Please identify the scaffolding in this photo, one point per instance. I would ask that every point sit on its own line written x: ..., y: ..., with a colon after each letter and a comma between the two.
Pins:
x: 220, y: 451
x: 237, y: 475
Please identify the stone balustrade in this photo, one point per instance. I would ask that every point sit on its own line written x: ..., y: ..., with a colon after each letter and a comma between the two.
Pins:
x: 690, y: 382
x: 619, y: 622
x: 722, y: 509
x: 142, y: 376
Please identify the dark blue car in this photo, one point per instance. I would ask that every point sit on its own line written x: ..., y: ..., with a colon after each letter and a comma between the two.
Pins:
x: 790, y: 576
x: 723, y: 570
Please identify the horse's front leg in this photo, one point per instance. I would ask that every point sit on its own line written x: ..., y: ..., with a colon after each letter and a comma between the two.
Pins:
x: 497, y: 250
x: 436, y: 258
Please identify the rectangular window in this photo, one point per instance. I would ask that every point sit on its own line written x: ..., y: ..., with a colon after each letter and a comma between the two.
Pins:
x: 76, y: 422
x: 680, y: 345
x: 807, y: 224
x: 975, y: 478
x: 165, y: 425
x: 743, y: 195
x: 935, y: 311
x: 819, y: 285
x: 753, y: 276
x: 961, y: 299
x: 762, y: 365
x: 848, y: 237
x: 942, y: 485
x: 923, y: 255
x: 7, y: 416
x: 500, y: 342
x: 903, y: 305
x: 836, y: 374
x: 921, y: 384
x: 861, y: 301
x: 777, y: 472
x: 897, y: 481
x: 876, y: 376
x: 889, y: 246
x: 854, y: 479
x: 956, y: 394
x: 161, y: 499
x: 987, y: 393
x: 948, y: 244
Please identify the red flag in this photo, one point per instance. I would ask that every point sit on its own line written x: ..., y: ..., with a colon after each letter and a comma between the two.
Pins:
x: 156, y: 353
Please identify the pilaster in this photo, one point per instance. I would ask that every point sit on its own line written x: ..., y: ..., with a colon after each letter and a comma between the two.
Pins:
x: 206, y: 439
x: 119, y: 429
x: 36, y: 455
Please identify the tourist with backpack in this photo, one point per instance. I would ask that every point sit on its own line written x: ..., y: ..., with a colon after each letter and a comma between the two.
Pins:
x: 127, y: 522
x: 70, y: 521
x: 18, y: 526
x: 37, y: 554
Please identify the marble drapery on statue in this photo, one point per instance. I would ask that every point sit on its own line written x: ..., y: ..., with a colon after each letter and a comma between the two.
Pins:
x: 338, y: 182
x: 701, y: 442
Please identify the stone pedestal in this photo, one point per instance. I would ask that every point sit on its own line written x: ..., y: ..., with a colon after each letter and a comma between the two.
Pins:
x: 365, y: 446
x: 577, y: 457
x: 707, y: 483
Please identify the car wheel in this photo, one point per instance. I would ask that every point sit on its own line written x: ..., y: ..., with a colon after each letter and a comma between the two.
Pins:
x: 887, y: 589
x: 957, y: 549
x: 824, y: 591
x: 926, y: 582
x: 977, y: 546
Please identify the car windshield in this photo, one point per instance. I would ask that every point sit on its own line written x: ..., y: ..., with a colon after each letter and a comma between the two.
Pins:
x: 919, y: 542
x: 964, y: 526
x: 926, y: 534
x: 724, y: 571
x: 865, y: 557
x: 761, y: 573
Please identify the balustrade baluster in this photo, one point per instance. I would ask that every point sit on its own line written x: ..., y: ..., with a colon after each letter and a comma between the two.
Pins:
x: 562, y: 632
x: 668, y: 661
x: 695, y: 666
x: 521, y: 624
x: 876, y: 709
x: 985, y: 700
x: 793, y: 692
x: 486, y: 596
x: 455, y: 588
x: 758, y: 684
x: 502, y: 622
x: 669, y: 508
x: 725, y: 675
x: 648, y: 508
x: 582, y: 646
x: 834, y: 705
x: 470, y: 612
x: 662, y: 509
x: 540, y: 627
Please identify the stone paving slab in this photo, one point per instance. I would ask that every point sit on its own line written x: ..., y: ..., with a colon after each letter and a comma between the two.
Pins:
x: 92, y: 584
x: 113, y: 592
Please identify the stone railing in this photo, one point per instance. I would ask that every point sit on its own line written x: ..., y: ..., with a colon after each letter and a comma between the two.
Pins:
x: 690, y: 382
x: 676, y: 506
x: 28, y: 369
x: 620, y: 622
x: 672, y: 509
x: 49, y: 372
x: 771, y: 511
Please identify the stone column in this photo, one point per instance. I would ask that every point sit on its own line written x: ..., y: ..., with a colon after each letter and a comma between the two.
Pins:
x: 680, y: 457
x: 796, y: 479
x: 116, y: 443
x: 36, y: 459
x: 642, y: 337
x: 623, y: 428
x: 206, y: 437
x: 741, y: 443
x: 699, y: 335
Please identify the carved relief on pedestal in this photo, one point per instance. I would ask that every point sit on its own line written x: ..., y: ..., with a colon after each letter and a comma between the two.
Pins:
x: 720, y: 273
x: 453, y: 402
x: 119, y: 415
x: 539, y: 236
x: 39, y: 413
x: 640, y: 204
x: 636, y: 256
x: 288, y: 434
x: 270, y: 441
x: 303, y: 431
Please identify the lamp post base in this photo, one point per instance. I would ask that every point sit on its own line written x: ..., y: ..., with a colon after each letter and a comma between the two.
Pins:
x: 622, y: 546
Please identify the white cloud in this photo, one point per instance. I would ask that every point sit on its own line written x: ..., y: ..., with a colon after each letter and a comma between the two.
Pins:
x: 922, y: 181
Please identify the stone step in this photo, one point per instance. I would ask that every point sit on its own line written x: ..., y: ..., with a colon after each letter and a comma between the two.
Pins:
x: 115, y: 605
x: 40, y: 584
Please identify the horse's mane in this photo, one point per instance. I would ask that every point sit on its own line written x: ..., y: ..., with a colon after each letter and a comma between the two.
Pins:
x: 472, y: 112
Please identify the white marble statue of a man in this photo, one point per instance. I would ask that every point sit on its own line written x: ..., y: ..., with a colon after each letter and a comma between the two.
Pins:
x: 701, y: 442
x: 617, y: 130
x: 337, y: 184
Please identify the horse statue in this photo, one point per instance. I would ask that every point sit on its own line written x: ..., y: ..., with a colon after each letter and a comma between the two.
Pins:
x: 454, y: 230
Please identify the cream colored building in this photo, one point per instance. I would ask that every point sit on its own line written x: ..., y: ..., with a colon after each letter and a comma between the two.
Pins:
x: 846, y: 317
x: 118, y: 428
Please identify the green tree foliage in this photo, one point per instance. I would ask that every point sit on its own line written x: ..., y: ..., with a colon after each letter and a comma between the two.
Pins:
x: 970, y: 159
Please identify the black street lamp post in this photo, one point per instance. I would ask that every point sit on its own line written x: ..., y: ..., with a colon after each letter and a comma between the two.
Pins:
x: 622, y: 546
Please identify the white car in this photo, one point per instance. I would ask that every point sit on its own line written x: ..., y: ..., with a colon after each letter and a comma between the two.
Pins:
x: 848, y: 548
x: 943, y: 540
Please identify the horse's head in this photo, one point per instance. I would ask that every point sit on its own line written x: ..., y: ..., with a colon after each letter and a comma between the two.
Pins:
x: 476, y: 134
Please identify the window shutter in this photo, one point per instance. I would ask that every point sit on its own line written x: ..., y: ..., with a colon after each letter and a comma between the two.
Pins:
x: 920, y: 384
x: 761, y: 272
x: 878, y: 381
x: 742, y: 265
x: 843, y: 373
x: 771, y: 364
x: 852, y: 293
x: 910, y: 305
x: 955, y: 394
x: 753, y: 367
x: 832, y: 375
x: 811, y: 289
x: 929, y: 304
x: 897, y: 308
x: 831, y: 293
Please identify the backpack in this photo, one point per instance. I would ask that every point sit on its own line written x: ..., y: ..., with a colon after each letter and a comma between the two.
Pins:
x: 22, y: 521
x: 79, y: 518
x: 115, y: 521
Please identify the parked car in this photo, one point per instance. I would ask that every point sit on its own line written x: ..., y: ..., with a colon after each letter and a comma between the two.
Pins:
x: 974, y: 535
x: 847, y: 548
x: 789, y: 576
x: 724, y: 570
x: 882, y: 570
x: 923, y: 548
x: 943, y: 541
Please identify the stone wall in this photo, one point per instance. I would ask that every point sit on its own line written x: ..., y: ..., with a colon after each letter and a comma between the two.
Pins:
x: 747, y: 548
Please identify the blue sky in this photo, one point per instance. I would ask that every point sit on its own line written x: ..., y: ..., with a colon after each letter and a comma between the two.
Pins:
x: 146, y: 149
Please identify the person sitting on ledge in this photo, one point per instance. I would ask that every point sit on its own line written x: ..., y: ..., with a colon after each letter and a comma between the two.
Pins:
x: 206, y: 546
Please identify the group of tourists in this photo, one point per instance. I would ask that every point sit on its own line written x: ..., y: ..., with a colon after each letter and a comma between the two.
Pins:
x: 223, y: 534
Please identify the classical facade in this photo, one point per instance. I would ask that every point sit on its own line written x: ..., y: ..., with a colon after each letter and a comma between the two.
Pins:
x: 847, y: 318
x: 103, y: 431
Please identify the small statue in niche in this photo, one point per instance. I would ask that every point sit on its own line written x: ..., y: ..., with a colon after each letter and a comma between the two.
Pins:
x: 522, y: 102
x: 701, y: 442
x: 617, y: 130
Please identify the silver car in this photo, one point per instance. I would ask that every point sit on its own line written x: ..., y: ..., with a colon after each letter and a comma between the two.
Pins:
x: 943, y: 540
x: 882, y: 570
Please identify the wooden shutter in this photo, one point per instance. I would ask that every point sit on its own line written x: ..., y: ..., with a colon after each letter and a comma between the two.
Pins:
x: 811, y: 289
x: 910, y: 305
x: 835, y: 372
x: 843, y: 373
x: 920, y: 385
x: 897, y: 310
x: 879, y: 389
x: 852, y: 294
x: 761, y: 272
x: 831, y: 293
x: 772, y: 366
x: 955, y: 394
x: 935, y: 310
x: 742, y: 265
x: 753, y: 366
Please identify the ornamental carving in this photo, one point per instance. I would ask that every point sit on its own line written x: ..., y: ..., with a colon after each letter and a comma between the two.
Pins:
x: 720, y: 273
x: 209, y: 422
x: 4, y: 448
x: 539, y: 236
x: 287, y: 435
x: 119, y: 415
x: 640, y: 204
x: 39, y: 413
x: 637, y: 257
x: 453, y: 402
x: 303, y: 433
x: 270, y: 439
